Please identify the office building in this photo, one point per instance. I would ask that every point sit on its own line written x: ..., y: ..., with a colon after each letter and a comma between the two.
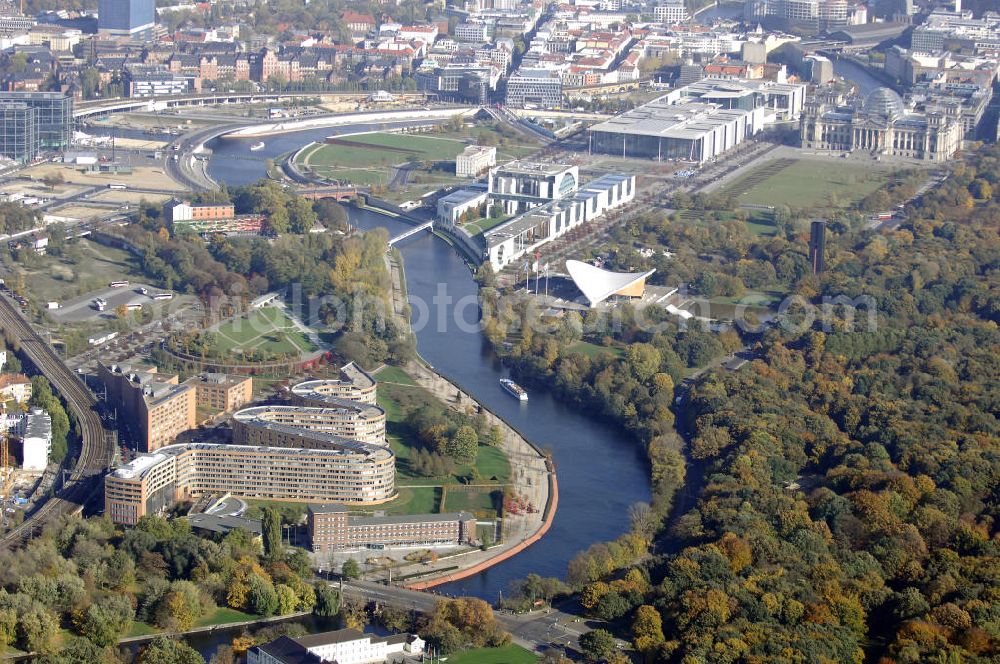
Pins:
x: 18, y: 132
x: 687, y: 131
x: 344, y: 646
x: 353, y: 383
x: 155, y: 80
x: 671, y: 12
x: 296, y: 426
x: 808, y: 15
x: 881, y: 125
x: 534, y: 87
x: 817, y: 245
x: 332, y: 528
x: 524, y: 234
x: 176, y: 210
x: 521, y: 185
x: 35, y: 431
x: 54, y: 119
x: 221, y: 392
x: 459, y: 205
x: 126, y: 18
x: 344, y: 472
x: 474, y: 160
x: 155, y: 406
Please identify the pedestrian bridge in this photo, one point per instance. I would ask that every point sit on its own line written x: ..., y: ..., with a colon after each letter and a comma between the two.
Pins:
x: 413, y: 231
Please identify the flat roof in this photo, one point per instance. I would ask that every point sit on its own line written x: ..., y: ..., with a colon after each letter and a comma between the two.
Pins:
x: 463, y: 196
x: 684, y: 120
x: 337, y: 508
x: 532, y: 168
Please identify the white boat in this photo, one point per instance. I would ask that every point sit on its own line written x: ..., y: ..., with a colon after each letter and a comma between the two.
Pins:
x: 259, y: 145
x: 514, y: 389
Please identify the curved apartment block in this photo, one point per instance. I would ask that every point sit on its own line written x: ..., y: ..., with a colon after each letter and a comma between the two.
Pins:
x: 341, y: 471
x: 354, y: 384
x: 298, y: 426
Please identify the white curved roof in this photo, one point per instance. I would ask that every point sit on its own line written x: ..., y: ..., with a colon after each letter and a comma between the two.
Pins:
x: 596, y: 284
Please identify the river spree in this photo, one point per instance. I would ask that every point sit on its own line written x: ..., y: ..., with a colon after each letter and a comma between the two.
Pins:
x: 601, y: 470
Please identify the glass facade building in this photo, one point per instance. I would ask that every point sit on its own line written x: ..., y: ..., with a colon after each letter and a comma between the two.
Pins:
x: 54, y: 116
x: 125, y: 17
x: 18, y: 131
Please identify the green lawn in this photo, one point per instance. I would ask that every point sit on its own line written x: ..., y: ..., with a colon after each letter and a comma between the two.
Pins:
x: 457, y: 500
x: 594, y: 350
x: 393, y: 374
x: 141, y: 629
x: 223, y: 615
x: 383, y: 149
x: 480, y: 226
x: 414, y: 500
x: 267, y: 329
x: 507, y: 655
x: 808, y: 183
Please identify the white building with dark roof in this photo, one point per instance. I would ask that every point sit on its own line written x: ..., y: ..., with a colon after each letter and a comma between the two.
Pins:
x: 343, y: 646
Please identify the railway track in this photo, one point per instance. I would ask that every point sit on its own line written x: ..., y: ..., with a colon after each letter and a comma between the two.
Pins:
x: 83, y: 487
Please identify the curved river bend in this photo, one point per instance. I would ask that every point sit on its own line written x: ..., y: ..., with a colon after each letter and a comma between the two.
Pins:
x: 601, y: 470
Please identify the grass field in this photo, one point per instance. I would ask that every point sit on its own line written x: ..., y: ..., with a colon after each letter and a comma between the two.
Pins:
x: 392, y: 374
x: 807, y: 183
x: 85, y: 266
x: 507, y: 655
x: 267, y: 329
x: 593, y: 350
x: 414, y: 500
x: 457, y: 500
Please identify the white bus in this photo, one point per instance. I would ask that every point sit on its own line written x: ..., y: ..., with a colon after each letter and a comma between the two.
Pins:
x: 117, y: 185
x: 163, y: 296
x: 118, y: 284
x: 134, y: 306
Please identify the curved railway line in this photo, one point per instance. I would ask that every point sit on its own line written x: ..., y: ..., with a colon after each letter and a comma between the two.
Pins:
x: 96, y: 446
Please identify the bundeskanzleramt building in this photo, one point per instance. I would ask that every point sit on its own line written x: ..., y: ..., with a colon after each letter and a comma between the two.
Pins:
x: 521, y: 185
x: 54, y: 117
x: 530, y: 230
x: 343, y: 472
x: 331, y: 528
x: 882, y: 126
x: 306, y: 426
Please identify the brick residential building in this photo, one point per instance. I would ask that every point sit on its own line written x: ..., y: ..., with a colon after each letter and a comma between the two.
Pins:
x: 331, y: 528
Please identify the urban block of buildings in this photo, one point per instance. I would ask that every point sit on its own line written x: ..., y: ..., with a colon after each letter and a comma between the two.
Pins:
x: 881, y: 125
x: 332, y: 528
x: 546, y: 202
x: 353, y: 383
x: 345, y: 646
x: 698, y: 122
x: 299, y: 425
x: 158, y: 407
x: 343, y: 471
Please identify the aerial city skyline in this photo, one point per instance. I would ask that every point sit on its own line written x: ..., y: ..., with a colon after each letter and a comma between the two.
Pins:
x: 499, y: 331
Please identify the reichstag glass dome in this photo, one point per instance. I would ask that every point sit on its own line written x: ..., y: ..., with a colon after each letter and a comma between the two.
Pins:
x: 886, y: 103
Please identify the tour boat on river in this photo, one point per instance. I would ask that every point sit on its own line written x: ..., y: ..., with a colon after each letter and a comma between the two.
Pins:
x: 514, y: 389
x: 257, y: 146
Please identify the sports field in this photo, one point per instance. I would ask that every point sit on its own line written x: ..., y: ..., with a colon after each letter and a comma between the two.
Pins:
x: 267, y: 330
x: 808, y: 183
